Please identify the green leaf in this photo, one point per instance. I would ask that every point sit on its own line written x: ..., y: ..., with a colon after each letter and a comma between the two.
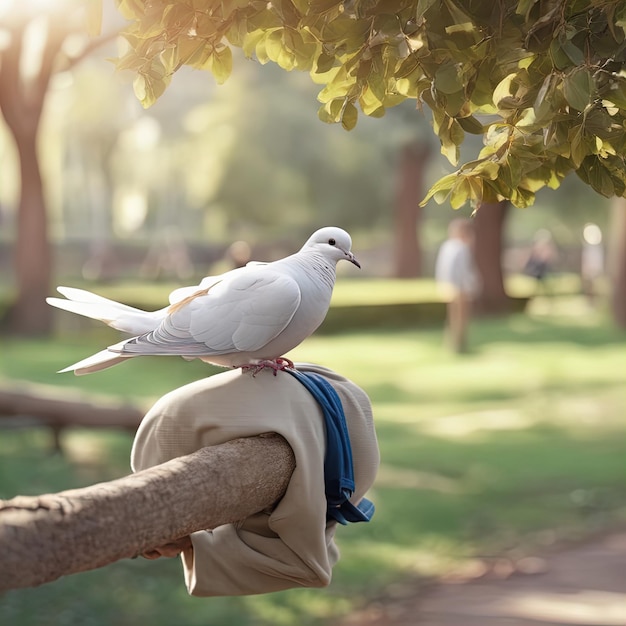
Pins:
x: 260, y: 50
x: 221, y: 64
x: 192, y: 51
x: 169, y: 59
x: 148, y: 89
x: 440, y: 190
x: 331, y: 111
x: 460, y: 193
x: 545, y: 100
x: 522, y: 198
x: 392, y: 100
x: 560, y: 60
x: 447, y: 78
x: 451, y: 136
x: 573, y: 52
x: 349, y: 116
x: 578, y: 88
x: 276, y: 50
x: 488, y: 169
x: 338, y: 87
x: 303, y: 52
x: 471, y: 125
x: 596, y: 175
x: 324, y: 63
x: 578, y: 150
x: 251, y: 42
x: 503, y: 89
x: 454, y: 103
x: 423, y: 6
x: 457, y: 133
x: 406, y: 87
x: 369, y: 101
x: 236, y: 32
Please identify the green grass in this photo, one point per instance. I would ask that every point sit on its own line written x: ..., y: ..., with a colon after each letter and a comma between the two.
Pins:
x: 503, y: 450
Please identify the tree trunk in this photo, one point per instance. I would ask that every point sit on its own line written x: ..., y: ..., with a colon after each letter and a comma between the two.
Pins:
x: 45, y: 537
x: 489, y: 227
x: 30, y: 315
x: 21, y: 104
x: 408, y: 213
x: 617, y: 262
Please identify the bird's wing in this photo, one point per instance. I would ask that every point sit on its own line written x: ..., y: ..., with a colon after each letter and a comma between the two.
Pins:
x: 241, y: 313
x: 180, y: 294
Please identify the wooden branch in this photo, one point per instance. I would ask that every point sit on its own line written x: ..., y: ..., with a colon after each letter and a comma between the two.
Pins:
x: 60, y: 409
x: 45, y: 537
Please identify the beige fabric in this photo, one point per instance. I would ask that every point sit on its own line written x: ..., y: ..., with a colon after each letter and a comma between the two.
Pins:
x: 291, y: 546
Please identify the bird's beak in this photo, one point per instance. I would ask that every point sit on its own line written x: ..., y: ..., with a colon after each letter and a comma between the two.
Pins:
x: 352, y: 259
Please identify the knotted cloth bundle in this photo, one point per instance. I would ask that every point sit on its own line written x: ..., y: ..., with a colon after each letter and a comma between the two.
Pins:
x: 292, y: 545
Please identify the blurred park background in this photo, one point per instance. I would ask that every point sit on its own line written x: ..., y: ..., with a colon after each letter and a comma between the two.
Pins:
x: 497, y: 454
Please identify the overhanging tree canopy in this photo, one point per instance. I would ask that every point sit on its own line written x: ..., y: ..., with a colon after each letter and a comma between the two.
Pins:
x: 542, y: 80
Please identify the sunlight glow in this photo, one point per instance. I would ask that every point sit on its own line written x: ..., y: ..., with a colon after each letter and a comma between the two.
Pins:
x: 592, y: 234
x: 35, y: 38
x: 5, y: 7
x: 584, y: 607
x: 30, y: 6
x: 131, y: 209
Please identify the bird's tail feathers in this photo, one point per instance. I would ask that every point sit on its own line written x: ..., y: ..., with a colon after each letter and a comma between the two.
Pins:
x: 94, y: 363
x: 82, y: 295
x: 120, y: 316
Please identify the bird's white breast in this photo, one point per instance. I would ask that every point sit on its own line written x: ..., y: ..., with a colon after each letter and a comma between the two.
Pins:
x: 316, y: 278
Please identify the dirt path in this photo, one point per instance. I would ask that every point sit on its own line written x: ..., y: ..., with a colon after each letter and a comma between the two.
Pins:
x: 581, y: 586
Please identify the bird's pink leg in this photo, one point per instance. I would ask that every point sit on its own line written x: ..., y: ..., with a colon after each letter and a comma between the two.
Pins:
x: 276, y: 365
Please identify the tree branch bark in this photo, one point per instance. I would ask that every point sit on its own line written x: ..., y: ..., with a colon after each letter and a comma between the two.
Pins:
x: 64, y: 408
x: 45, y: 537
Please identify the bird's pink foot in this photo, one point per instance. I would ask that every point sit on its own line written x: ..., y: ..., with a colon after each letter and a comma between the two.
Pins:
x: 276, y: 365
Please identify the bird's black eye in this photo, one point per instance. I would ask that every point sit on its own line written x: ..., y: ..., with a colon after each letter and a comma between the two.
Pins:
x: 332, y: 242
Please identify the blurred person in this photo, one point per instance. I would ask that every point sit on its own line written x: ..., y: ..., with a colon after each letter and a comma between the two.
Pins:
x: 543, y: 254
x: 458, y: 277
x: 293, y: 543
x: 239, y: 253
x: 592, y: 261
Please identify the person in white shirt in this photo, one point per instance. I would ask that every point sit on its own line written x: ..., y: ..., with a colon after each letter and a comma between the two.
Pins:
x: 458, y: 278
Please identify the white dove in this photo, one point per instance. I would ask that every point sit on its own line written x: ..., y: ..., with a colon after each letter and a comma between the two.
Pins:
x: 249, y: 316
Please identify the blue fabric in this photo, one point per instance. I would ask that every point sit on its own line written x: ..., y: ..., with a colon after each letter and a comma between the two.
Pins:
x: 338, y: 465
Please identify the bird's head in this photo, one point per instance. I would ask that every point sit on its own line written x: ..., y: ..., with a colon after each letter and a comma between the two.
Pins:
x: 334, y: 243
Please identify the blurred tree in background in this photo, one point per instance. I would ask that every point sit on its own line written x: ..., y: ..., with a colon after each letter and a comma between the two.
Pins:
x: 36, y: 44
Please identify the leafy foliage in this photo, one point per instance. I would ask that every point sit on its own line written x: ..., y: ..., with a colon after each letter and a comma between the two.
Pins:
x: 542, y: 80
